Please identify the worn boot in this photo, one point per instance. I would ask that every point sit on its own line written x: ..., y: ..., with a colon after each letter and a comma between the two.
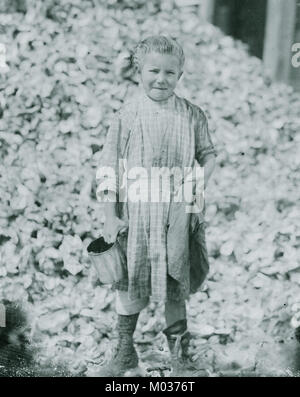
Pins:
x: 125, y: 356
x: 178, y: 339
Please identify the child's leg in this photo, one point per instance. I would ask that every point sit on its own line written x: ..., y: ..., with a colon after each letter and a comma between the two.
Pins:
x: 125, y: 356
x: 177, y: 334
x: 174, y: 312
x: 125, y: 306
x: 178, y: 338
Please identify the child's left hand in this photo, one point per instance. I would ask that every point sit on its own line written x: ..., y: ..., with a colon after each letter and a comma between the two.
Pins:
x: 112, y: 227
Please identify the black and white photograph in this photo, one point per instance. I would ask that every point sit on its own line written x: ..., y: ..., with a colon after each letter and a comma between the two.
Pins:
x: 150, y: 190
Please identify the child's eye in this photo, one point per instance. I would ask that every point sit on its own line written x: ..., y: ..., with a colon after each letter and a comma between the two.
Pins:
x: 171, y: 73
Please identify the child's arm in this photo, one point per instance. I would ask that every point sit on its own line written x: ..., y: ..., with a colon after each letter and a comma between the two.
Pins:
x: 107, y: 177
x: 110, y: 210
x: 209, y: 165
x: 113, y: 224
x: 205, y: 152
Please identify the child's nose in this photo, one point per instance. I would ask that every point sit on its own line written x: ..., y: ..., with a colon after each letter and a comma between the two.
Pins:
x: 160, y: 77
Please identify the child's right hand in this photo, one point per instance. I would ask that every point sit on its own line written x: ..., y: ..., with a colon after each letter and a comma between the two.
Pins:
x: 112, y: 226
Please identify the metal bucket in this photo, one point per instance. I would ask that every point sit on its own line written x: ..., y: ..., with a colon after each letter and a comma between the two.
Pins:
x: 108, y: 259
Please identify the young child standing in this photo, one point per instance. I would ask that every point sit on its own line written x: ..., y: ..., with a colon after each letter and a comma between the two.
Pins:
x: 165, y: 245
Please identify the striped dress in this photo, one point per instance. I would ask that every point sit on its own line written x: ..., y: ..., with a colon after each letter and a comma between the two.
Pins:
x: 146, y: 133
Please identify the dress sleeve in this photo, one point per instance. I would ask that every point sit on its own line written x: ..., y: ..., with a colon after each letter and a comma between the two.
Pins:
x: 203, y: 142
x: 107, y: 175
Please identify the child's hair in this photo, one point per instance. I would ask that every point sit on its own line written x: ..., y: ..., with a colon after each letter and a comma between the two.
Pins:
x: 160, y: 44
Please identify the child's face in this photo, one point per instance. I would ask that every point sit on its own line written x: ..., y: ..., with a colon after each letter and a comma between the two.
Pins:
x: 159, y: 75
